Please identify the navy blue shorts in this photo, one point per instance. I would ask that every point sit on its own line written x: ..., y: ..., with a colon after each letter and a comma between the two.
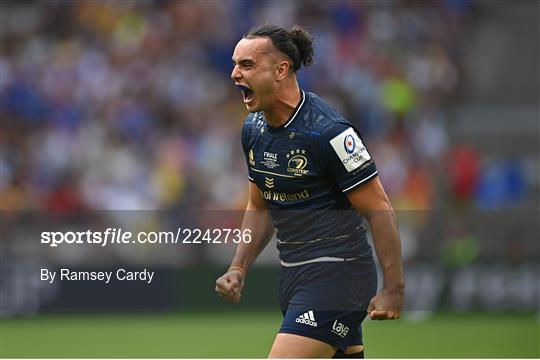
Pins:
x: 327, y: 301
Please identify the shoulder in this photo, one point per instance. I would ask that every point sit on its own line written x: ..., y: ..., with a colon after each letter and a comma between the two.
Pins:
x: 252, y: 126
x: 322, y: 120
x: 253, y: 121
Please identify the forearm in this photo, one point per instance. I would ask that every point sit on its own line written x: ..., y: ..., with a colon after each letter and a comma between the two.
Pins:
x: 387, y: 246
x: 258, y: 221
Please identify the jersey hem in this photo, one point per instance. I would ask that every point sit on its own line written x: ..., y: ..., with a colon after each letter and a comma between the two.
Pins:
x: 316, y: 260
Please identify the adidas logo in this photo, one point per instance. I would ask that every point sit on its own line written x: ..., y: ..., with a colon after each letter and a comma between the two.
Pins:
x: 307, y: 318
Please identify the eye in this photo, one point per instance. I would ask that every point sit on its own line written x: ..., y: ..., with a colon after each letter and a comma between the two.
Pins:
x: 246, y: 65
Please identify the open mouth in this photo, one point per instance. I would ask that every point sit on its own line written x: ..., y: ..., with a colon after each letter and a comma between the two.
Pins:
x: 247, y: 93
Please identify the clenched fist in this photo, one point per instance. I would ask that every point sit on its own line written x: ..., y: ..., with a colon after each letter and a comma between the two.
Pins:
x: 387, y: 304
x: 229, y: 286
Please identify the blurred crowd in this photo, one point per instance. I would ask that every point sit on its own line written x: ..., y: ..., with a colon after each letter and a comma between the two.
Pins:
x: 129, y: 105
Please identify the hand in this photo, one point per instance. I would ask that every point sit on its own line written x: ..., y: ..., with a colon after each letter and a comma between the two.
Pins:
x: 387, y: 304
x: 229, y: 286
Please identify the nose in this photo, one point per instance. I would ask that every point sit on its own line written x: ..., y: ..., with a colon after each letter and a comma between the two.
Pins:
x: 235, y: 74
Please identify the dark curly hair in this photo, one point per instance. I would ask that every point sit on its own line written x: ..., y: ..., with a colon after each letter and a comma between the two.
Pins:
x: 296, y: 43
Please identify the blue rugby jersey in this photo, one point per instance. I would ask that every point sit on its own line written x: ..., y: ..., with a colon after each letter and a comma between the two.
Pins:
x: 304, y: 169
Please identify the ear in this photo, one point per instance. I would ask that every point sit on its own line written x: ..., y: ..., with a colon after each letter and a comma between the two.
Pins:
x: 282, y: 70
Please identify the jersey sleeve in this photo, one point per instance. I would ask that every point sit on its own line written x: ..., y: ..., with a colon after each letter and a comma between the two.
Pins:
x: 247, y: 145
x: 345, y: 158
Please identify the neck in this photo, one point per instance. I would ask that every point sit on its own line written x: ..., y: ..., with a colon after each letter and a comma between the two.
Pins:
x: 284, y: 104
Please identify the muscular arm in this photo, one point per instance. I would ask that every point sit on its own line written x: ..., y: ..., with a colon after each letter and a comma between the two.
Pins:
x: 371, y: 201
x: 256, y: 218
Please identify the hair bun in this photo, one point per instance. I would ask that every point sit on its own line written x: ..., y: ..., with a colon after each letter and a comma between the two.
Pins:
x: 296, y: 43
x: 304, y: 42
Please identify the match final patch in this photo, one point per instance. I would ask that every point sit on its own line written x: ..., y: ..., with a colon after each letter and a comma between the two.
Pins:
x: 350, y: 149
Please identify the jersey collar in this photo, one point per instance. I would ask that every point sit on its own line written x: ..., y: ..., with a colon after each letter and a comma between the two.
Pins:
x: 297, y: 110
x: 291, y: 118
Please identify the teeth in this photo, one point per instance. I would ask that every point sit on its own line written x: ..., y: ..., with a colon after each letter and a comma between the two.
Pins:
x: 242, y: 87
x: 246, y: 92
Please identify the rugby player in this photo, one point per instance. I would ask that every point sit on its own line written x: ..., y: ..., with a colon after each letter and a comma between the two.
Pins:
x: 312, y: 178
